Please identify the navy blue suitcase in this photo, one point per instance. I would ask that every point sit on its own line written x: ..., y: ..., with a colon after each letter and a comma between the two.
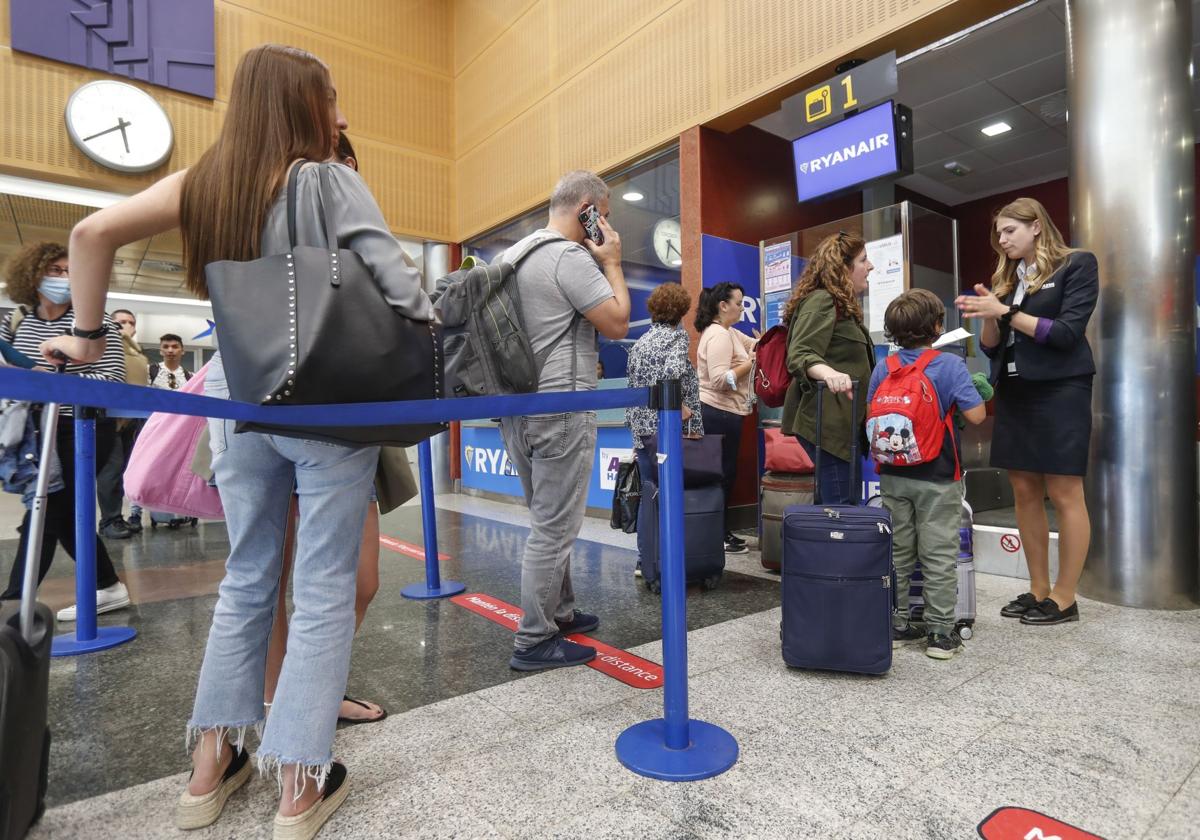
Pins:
x: 837, y: 579
x: 703, y: 535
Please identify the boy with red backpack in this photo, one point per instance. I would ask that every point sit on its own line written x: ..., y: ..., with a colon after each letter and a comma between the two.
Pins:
x: 911, y: 402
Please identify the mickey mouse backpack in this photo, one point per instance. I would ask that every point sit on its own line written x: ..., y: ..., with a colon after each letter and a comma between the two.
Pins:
x: 904, y: 420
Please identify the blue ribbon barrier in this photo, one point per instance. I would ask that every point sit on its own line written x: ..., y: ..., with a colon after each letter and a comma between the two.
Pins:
x: 87, y: 638
x: 675, y: 747
x: 434, y: 586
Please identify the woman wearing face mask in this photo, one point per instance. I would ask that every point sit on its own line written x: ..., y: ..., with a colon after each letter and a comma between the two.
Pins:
x: 38, y: 284
x: 1033, y: 324
x: 724, y: 357
x: 828, y: 342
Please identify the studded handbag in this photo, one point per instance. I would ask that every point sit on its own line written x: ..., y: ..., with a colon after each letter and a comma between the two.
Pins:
x: 312, y: 327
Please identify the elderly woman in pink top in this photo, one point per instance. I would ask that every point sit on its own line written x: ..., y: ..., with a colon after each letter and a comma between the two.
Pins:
x: 724, y: 359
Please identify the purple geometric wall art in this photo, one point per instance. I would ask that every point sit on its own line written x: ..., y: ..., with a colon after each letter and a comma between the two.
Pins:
x: 163, y: 42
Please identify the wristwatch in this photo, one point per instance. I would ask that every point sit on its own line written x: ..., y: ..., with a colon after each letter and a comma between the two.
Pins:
x: 90, y: 335
x: 1007, y: 317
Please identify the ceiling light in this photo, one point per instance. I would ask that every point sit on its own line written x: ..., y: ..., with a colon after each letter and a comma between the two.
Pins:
x: 996, y: 128
x: 956, y: 168
x: 633, y: 195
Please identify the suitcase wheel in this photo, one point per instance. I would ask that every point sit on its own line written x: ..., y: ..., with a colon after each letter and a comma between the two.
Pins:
x: 153, y: 525
x: 965, y: 630
x: 711, y: 583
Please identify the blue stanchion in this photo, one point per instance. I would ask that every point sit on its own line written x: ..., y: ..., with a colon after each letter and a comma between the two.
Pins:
x: 674, y: 748
x: 434, y: 586
x: 87, y: 637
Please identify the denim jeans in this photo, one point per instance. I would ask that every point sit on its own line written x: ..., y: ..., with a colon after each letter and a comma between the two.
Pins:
x: 834, y: 479
x: 553, y: 455
x: 256, y: 474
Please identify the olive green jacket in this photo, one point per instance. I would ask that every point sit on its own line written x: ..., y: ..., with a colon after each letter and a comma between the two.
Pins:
x: 817, y: 335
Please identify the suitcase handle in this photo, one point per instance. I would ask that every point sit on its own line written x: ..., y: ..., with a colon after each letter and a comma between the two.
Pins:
x: 855, y: 466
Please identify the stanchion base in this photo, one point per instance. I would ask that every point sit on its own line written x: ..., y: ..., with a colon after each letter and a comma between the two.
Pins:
x: 424, y: 592
x: 106, y: 637
x: 643, y: 749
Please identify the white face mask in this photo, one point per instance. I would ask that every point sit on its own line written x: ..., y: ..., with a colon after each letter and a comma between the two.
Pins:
x: 56, y: 289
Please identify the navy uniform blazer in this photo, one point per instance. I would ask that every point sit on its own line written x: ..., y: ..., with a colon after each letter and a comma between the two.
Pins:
x: 1067, y: 299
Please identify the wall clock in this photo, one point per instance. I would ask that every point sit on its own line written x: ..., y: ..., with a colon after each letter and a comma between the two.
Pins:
x: 119, y: 126
x: 667, y: 238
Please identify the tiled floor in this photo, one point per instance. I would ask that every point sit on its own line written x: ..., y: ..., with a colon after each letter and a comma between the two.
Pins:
x: 1095, y: 723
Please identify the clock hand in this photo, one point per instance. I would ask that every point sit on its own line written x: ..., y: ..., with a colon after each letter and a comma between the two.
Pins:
x: 671, y: 247
x: 116, y: 127
x: 121, y: 124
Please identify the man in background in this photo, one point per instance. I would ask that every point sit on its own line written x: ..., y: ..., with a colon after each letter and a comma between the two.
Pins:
x: 110, y: 487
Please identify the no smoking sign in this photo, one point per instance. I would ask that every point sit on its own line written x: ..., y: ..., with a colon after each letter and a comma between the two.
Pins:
x: 1010, y: 543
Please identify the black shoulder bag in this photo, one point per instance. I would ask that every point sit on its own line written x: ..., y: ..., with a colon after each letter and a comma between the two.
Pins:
x: 312, y: 327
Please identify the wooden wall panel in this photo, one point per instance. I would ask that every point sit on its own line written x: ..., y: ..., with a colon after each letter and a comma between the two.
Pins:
x: 477, y: 23
x: 581, y: 30
x: 504, y: 80
x: 391, y: 60
x: 406, y: 30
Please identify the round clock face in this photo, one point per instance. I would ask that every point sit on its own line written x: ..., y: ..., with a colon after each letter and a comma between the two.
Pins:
x: 668, y: 242
x: 119, y: 126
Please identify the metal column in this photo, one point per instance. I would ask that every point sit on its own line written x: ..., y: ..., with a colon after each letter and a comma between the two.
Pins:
x: 1131, y: 204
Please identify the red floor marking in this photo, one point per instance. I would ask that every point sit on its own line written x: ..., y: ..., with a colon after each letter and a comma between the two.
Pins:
x: 406, y: 548
x: 629, y: 669
x: 1024, y: 824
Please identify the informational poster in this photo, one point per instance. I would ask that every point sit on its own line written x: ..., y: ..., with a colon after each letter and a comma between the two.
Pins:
x: 777, y: 267
x: 886, y: 282
x: 610, y: 463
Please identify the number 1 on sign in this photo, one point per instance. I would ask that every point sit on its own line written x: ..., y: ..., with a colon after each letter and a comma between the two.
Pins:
x: 848, y: 84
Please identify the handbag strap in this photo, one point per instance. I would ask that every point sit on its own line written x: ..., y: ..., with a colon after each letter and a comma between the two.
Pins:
x: 324, y: 204
x: 293, y: 173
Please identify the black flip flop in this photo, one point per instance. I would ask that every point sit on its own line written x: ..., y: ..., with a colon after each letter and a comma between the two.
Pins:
x: 355, y: 721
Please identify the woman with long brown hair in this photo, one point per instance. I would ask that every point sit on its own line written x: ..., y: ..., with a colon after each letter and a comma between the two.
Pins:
x: 828, y: 342
x: 1032, y: 328
x: 282, y: 110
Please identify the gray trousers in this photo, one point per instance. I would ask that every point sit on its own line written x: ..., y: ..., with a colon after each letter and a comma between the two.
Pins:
x: 110, y: 484
x: 925, y: 519
x: 553, y: 455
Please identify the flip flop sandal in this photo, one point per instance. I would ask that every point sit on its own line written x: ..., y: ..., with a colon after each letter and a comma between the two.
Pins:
x: 354, y: 721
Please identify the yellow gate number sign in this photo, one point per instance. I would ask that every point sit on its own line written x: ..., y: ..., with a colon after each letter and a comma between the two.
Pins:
x: 818, y: 103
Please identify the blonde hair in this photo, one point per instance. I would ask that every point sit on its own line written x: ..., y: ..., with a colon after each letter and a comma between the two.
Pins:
x: 1050, y: 251
x: 829, y: 269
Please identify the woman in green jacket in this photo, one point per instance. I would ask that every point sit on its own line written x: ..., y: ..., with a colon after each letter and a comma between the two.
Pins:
x: 827, y: 342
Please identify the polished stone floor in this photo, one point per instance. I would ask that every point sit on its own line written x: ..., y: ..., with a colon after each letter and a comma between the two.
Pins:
x: 1096, y: 724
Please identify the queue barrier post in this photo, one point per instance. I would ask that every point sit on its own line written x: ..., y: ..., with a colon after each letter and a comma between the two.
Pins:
x: 674, y: 748
x: 87, y: 638
x: 434, y: 586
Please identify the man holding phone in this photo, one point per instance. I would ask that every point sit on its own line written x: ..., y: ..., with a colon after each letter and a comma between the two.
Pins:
x: 572, y: 288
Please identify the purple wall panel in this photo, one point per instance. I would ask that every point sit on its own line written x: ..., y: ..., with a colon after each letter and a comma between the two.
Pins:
x: 163, y: 42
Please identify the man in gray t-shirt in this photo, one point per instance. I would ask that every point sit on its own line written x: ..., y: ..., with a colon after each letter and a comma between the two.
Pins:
x: 571, y: 288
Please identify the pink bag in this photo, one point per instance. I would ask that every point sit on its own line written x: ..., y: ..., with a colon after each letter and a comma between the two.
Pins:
x: 158, y: 475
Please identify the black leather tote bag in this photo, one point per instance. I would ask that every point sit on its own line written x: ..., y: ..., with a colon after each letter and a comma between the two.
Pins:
x: 312, y: 327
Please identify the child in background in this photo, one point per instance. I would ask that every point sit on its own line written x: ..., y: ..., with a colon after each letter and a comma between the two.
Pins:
x: 925, y: 499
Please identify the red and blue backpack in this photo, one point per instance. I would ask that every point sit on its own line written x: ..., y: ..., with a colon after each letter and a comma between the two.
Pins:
x: 905, y: 425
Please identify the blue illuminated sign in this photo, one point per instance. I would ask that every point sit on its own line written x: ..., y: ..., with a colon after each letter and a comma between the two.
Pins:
x: 856, y: 150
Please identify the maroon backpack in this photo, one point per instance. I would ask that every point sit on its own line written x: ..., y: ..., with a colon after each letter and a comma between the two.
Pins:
x: 771, y: 377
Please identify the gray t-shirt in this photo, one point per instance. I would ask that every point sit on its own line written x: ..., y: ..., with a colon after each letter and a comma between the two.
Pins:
x: 556, y: 281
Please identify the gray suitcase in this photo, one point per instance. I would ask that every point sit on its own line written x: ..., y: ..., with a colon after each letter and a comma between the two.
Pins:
x: 779, y: 491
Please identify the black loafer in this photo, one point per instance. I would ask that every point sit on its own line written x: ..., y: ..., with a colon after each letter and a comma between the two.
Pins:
x: 1023, y: 604
x: 1048, y: 612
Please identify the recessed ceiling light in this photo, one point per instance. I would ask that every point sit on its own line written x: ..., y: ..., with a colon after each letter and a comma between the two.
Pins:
x: 956, y: 168
x: 996, y: 128
x: 633, y: 195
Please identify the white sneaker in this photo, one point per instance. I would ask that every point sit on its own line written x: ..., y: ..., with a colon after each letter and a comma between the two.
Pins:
x: 114, y: 597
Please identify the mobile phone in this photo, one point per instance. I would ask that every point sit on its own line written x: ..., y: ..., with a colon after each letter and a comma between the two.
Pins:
x: 590, y: 219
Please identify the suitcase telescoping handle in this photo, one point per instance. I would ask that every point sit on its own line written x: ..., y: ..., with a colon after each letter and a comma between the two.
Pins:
x: 855, y: 466
x: 37, y: 514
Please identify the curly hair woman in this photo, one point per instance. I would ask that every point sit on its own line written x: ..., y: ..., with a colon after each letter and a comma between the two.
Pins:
x: 828, y: 342
x: 37, y: 281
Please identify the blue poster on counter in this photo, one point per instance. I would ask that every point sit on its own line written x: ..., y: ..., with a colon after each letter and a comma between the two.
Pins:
x: 736, y: 262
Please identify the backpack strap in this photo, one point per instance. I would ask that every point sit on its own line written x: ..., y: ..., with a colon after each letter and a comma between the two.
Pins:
x: 573, y: 329
x: 925, y: 358
x: 16, y: 317
x: 893, y: 363
x: 153, y: 372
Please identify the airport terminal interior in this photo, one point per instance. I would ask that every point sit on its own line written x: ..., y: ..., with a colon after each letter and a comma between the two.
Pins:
x: 696, y: 113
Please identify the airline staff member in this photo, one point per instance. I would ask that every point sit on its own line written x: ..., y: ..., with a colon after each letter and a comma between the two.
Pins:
x: 1033, y: 324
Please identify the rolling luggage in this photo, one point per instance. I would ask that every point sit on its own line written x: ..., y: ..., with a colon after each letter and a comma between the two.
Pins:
x: 778, y: 492
x: 703, y: 535
x: 26, y: 632
x: 170, y: 520
x: 837, y: 579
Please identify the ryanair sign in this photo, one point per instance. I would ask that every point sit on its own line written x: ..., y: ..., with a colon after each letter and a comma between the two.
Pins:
x: 874, y: 144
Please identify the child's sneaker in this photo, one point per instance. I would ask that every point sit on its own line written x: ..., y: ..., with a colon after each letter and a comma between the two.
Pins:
x: 902, y: 636
x: 942, y: 646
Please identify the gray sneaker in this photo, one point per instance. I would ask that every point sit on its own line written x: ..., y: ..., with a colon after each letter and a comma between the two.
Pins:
x: 555, y: 652
x: 943, y: 646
